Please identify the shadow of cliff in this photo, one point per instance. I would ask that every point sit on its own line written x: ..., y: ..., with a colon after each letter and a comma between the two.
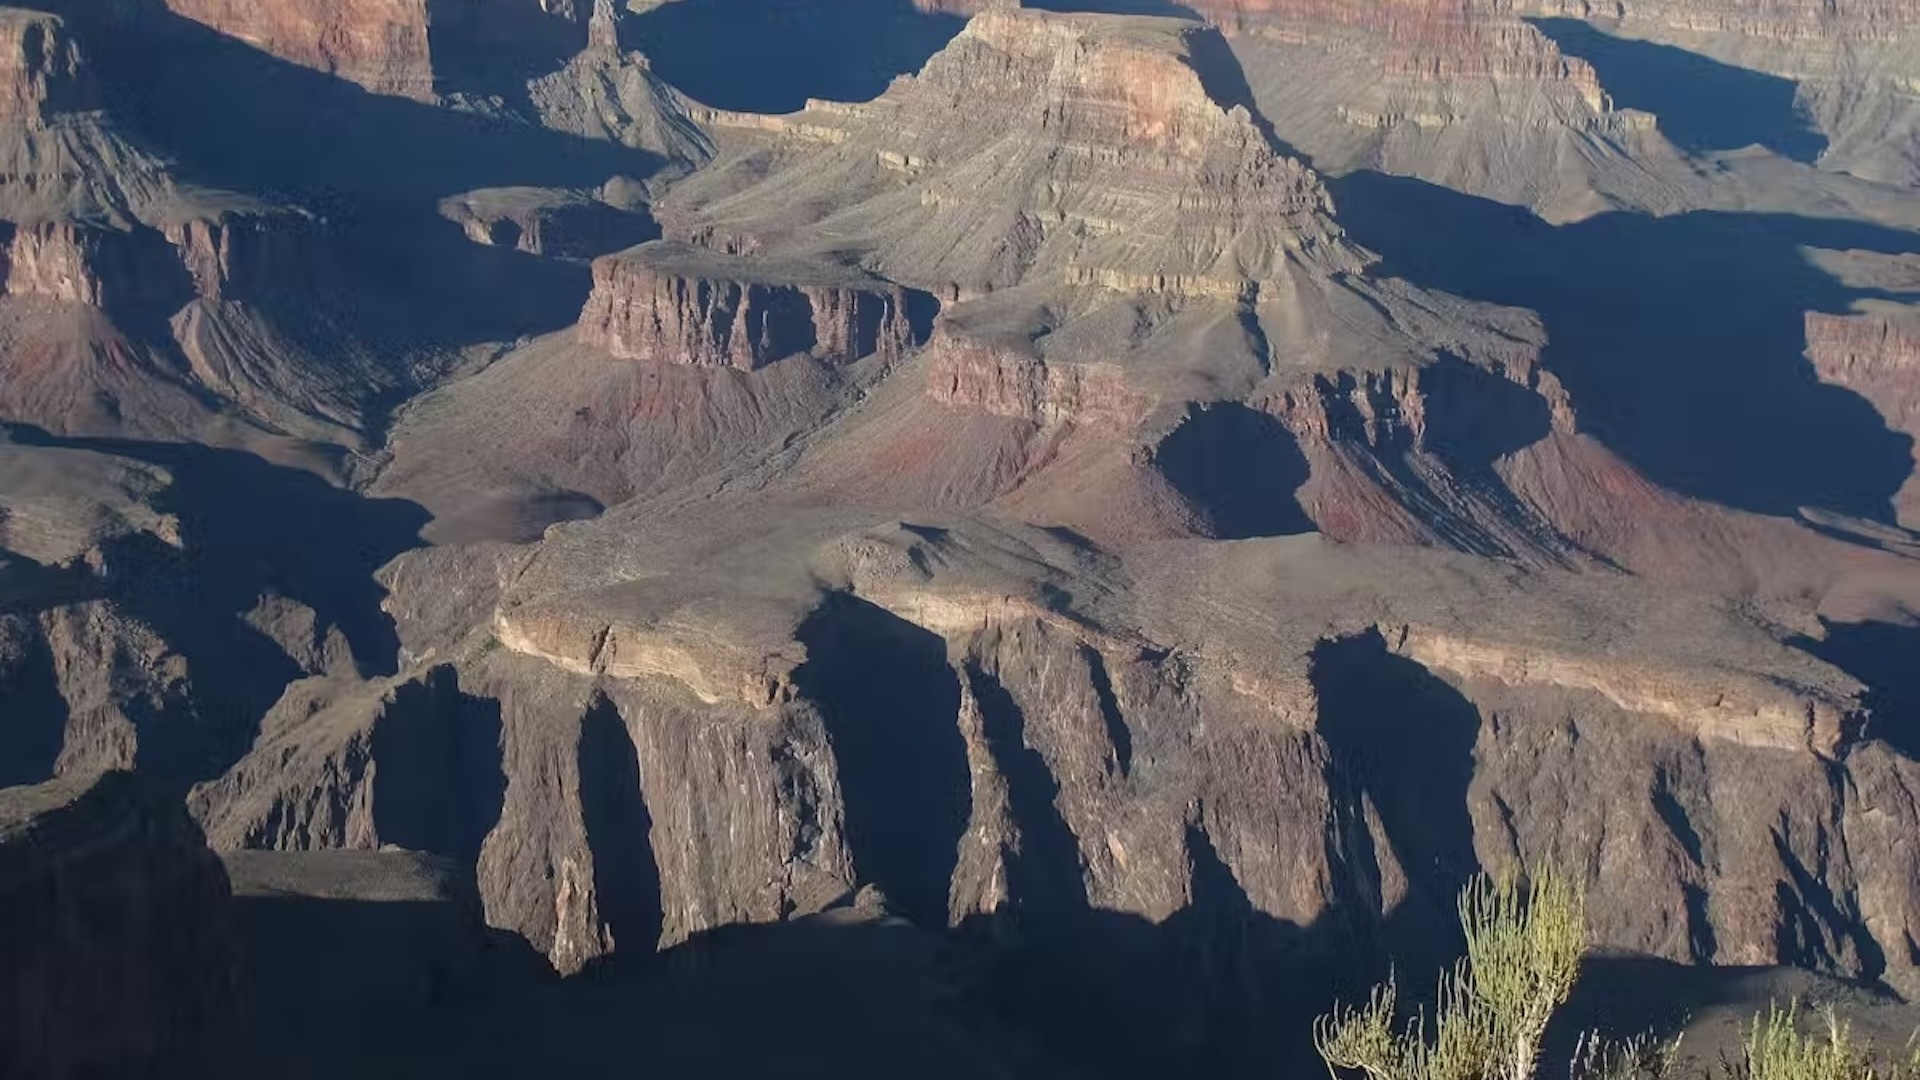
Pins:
x: 494, y: 49
x: 626, y: 877
x: 249, y: 530
x: 439, y: 786
x: 1166, y: 8
x: 372, y: 166
x: 33, y: 724
x: 1239, y: 468
x: 1882, y: 655
x: 888, y: 698
x: 1681, y: 339
x: 1044, y: 871
x: 1406, y: 739
x: 404, y: 989
x: 764, y: 56
x: 1703, y: 105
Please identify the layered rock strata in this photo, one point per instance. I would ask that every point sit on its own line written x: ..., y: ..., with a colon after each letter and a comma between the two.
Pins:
x: 1116, y: 166
x: 674, y: 304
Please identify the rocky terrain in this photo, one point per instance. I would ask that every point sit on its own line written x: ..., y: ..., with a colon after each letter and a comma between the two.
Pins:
x: 1050, y: 522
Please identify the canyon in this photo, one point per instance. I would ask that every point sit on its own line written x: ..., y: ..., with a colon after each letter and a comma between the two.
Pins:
x: 1107, y: 527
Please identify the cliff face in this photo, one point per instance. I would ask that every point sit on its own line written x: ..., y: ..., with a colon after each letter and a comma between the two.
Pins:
x: 42, y: 72
x: 405, y: 48
x: 1008, y: 379
x: 380, y: 44
x: 675, y: 305
x: 146, y: 275
x: 1065, y: 733
x: 116, y: 929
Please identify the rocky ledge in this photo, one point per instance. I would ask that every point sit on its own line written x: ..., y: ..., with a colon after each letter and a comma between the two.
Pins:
x: 679, y: 304
x: 1008, y: 378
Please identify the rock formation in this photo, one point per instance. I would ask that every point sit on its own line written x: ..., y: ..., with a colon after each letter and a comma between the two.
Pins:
x: 1020, y: 503
x: 672, y: 303
x: 1117, y: 166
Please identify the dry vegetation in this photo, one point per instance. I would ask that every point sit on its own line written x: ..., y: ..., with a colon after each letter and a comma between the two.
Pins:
x: 1525, y: 940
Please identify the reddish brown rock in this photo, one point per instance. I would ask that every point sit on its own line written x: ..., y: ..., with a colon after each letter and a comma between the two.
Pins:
x: 101, y: 268
x: 675, y: 304
x: 1008, y: 379
x: 380, y: 44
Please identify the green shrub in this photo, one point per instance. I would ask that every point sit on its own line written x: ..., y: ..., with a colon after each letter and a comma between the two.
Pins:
x: 1524, y: 945
x: 1776, y: 1049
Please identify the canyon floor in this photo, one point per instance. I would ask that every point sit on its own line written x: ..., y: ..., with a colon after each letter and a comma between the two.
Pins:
x: 740, y: 536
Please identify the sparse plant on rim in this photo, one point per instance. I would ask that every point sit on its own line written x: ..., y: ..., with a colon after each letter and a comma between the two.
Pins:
x: 1642, y: 1057
x: 1776, y: 1049
x: 1525, y: 941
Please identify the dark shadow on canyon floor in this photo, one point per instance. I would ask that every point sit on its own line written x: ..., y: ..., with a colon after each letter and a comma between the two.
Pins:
x: 1886, y: 657
x: 764, y: 55
x: 33, y: 722
x: 408, y: 989
x: 888, y: 698
x: 249, y: 530
x: 619, y: 829
x: 439, y: 786
x: 1703, y: 104
x: 1240, y: 469
x: 1406, y: 739
x: 370, y: 167
x: 1680, y: 339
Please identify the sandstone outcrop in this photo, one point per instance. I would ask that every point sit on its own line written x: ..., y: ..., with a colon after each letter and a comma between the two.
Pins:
x: 674, y: 304
x: 117, y: 929
x: 1074, y: 730
x: 382, y: 45
x: 1008, y: 379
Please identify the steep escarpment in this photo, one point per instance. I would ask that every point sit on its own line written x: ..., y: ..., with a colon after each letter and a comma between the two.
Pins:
x: 675, y: 304
x: 380, y: 44
x: 1071, y: 732
x: 118, y: 931
x: 136, y: 305
x: 1470, y: 96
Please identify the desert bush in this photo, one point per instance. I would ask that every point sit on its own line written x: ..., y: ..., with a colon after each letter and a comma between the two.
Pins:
x: 1525, y: 940
x: 1775, y: 1048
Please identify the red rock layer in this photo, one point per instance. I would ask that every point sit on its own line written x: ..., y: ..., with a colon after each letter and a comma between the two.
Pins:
x: 380, y: 44
x: 232, y: 258
x: 1006, y: 380
x: 643, y: 312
